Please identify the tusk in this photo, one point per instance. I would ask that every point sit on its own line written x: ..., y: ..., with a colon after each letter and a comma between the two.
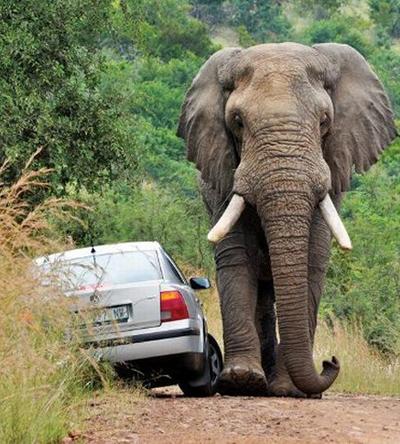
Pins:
x: 334, y: 222
x: 228, y: 219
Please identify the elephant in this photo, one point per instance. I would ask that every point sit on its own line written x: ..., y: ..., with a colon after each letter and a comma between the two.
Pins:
x: 276, y: 131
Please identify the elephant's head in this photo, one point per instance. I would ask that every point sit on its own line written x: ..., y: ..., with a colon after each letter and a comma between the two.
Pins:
x: 281, y: 125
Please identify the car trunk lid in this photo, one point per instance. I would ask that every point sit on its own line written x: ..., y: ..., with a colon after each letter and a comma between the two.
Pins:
x: 132, y: 306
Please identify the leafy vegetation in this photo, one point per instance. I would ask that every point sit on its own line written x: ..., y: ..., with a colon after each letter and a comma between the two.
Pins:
x: 49, y: 79
x: 386, y: 15
x: 365, y: 285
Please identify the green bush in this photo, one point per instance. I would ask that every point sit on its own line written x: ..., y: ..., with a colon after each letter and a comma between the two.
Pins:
x: 317, y: 9
x: 146, y: 212
x: 386, y: 15
x: 386, y: 63
x: 365, y: 285
x: 49, y: 79
x: 158, y: 29
x: 264, y: 20
x: 339, y: 30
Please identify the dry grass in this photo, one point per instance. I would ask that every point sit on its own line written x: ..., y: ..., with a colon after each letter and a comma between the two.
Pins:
x: 42, y: 376
x: 24, y: 226
x: 363, y: 369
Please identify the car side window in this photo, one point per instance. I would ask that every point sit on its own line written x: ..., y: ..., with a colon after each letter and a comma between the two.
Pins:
x: 173, y: 271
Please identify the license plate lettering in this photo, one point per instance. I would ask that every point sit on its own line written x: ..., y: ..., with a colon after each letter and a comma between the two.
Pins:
x: 113, y: 314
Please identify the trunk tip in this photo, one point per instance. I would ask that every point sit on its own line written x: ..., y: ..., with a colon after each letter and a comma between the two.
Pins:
x: 333, y: 365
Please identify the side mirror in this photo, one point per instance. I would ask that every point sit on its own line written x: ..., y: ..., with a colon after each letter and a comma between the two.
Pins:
x: 199, y: 283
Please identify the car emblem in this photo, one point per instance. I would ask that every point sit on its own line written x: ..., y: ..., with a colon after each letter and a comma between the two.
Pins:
x: 94, y: 297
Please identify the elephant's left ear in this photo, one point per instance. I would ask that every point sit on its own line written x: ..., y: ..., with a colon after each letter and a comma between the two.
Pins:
x: 363, y: 119
x: 202, y: 121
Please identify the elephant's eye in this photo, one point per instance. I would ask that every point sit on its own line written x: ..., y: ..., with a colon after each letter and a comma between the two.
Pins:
x: 238, y: 120
x: 324, y: 123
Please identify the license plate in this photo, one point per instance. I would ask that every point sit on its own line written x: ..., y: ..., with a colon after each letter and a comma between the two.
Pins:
x: 119, y: 313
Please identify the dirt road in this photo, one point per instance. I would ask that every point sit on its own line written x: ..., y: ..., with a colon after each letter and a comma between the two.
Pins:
x: 167, y: 417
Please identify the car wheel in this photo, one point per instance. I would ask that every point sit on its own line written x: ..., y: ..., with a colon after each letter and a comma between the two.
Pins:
x: 206, y: 384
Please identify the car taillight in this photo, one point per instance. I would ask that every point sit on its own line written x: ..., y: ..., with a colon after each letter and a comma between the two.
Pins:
x: 172, y: 306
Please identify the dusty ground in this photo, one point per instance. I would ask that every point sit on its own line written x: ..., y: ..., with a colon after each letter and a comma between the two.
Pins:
x: 167, y: 417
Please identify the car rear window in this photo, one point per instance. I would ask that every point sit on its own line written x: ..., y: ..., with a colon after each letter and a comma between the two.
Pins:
x: 108, y: 269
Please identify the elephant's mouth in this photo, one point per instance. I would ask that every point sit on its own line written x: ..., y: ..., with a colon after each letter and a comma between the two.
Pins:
x: 237, y: 205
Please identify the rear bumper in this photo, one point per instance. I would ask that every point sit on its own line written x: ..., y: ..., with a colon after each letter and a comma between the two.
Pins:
x: 145, y: 337
x: 173, y: 338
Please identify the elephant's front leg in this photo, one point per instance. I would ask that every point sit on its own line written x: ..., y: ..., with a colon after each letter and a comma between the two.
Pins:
x: 266, y: 326
x: 237, y: 286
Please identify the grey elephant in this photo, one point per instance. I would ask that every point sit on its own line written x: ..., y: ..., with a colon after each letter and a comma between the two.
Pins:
x: 275, y: 131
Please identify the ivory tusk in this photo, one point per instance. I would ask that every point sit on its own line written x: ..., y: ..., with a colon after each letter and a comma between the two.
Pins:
x: 228, y: 219
x: 334, y: 222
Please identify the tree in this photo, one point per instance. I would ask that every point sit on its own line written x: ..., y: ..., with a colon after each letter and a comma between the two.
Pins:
x: 160, y: 29
x: 386, y: 15
x: 320, y: 9
x: 50, y: 79
x: 264, y: 20
x: 208, y: 11
x: 386, y: 63
x: 339, y: 30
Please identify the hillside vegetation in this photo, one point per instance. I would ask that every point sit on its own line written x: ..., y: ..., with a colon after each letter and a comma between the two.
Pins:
x: 95, y: 87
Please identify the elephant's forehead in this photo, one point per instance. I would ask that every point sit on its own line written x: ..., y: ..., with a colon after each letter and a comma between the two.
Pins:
x: 289, y: 59
x: 279, y: 51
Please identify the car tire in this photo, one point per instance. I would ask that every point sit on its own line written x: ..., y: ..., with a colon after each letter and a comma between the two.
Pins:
x: 207, y: 383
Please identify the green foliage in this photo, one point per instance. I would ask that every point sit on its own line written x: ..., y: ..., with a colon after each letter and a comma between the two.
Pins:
x: 259, y: 20
x: 320, y: 9
x: 365, y: 285
x: 161, y: 55
x: 264, y: 20
x: 210, y: 11
x: 49, y: 79
x: 245, y: 38
x: 156, y: 102
x: 386, y: 63
x: 339, y: 30
x: 159, y: 29
x: 386, y: 15
x: 146, y: 212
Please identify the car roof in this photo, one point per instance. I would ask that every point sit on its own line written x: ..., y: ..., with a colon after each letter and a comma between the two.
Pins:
x: 100, y: 249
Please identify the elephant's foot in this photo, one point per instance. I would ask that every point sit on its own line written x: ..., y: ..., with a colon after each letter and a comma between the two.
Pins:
x: 239, y: 379
x: 284, y: 388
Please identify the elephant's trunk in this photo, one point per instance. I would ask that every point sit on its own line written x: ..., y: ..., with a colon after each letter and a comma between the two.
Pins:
x: 286, y: 217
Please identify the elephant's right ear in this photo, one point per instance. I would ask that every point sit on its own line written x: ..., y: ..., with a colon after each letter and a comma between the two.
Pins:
x: 202, y: 122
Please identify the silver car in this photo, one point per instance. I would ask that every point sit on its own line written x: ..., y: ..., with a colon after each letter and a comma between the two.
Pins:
x: 145, y: 316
